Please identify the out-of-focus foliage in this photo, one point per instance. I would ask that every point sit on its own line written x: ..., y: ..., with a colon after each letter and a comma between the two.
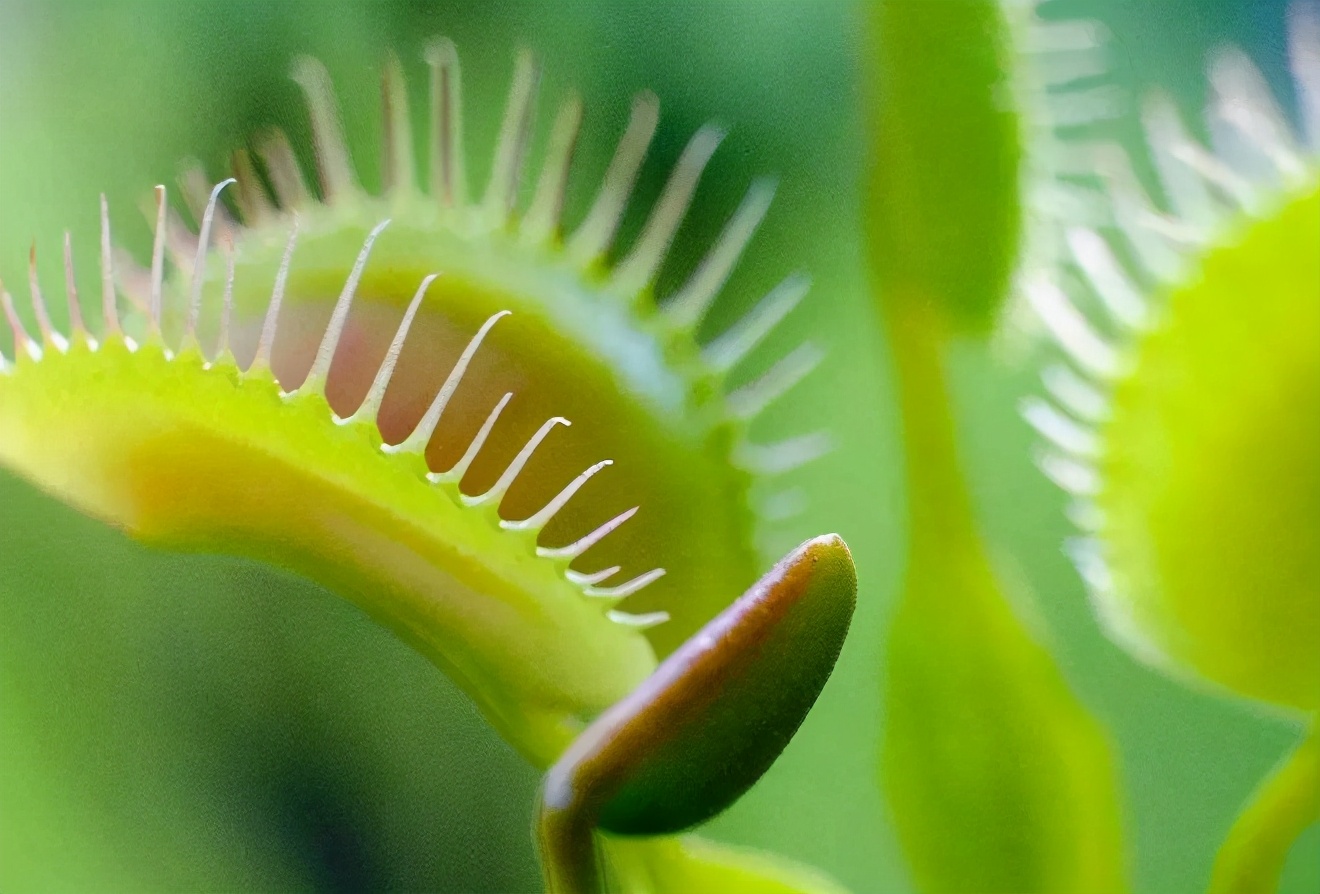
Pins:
x: 1000, y: 780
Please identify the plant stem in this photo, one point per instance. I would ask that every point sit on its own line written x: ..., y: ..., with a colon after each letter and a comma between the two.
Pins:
x: 939, y: 508
x: 1257, y: 846
x: 570, y: 863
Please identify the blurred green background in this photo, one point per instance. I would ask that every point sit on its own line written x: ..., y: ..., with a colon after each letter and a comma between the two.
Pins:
x: 194, y: 723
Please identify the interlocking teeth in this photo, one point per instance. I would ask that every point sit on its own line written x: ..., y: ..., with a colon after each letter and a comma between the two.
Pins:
x: 725, y: 352
x: 266, y: 342
x: 590, y: 583
x: 425, y: 429
x: 515, y: 134
x: 199, y: 263
x: 637, y: 271
x: 690, y: 305
x: 49, y: 337
x: 581, y: 545
x: 631, y: 278
x: 334, y: 164
x: 638, y: 622
x: 784, y: 456
x: 496, y: 493
x: 748, y: 401
x: 421, y: 436
x: 1255, y: 156
x: 593, y: 237
x: 587, y: 580
x: 1061, y: 431
x: 370, y: 405
x: 624, y: 590
x: 77, y: 327
x: 540, y: 519
x: 325, y: 352
x: 274, y: 189
x: 22, y: 341
x: 455, y: 475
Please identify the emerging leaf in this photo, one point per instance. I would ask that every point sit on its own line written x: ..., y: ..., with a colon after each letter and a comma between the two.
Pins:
x: 711, y: 719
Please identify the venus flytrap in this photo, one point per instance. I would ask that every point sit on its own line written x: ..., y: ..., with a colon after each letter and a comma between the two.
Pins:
x: 998, y: 777
x: 491, y: 437
x: 1184, y: 420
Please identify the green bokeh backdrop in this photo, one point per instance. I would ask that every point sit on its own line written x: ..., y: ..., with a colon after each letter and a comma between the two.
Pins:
x: 199, y: 723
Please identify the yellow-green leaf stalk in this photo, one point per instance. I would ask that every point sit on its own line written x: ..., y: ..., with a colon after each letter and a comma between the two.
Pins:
x: 1184, y: 418
x: 998, y: 777
x: 377, y: 391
